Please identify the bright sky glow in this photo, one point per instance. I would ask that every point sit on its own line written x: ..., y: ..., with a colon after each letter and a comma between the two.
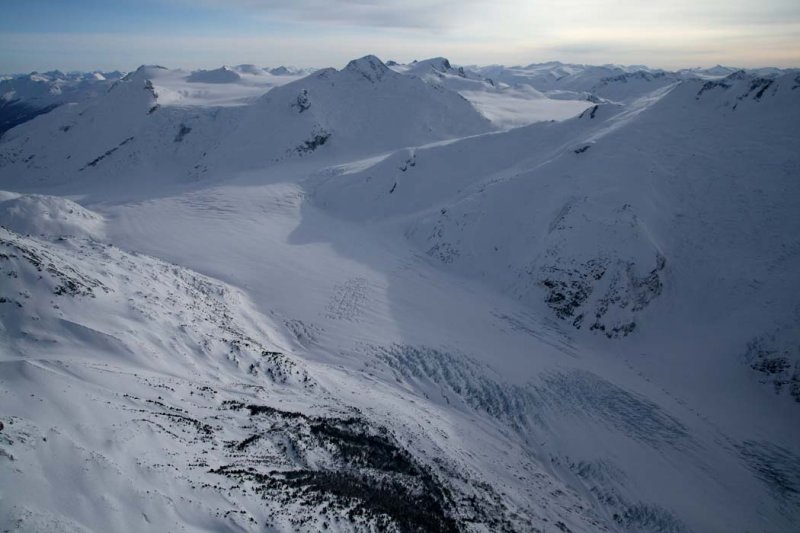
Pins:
x: 111, y: 34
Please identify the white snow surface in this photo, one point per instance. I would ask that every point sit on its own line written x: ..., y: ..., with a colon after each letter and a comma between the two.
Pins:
x: 53, y: 216
x: 55, y: 88
x: 507, y: 106
x: 582, y: 325
x: 224, y: 86
x: 220, y: 75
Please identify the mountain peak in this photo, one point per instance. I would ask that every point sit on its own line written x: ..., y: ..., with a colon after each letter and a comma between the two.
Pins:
x: 220, y: 75
x: 442, y: 64
x: 143, y: 72
x: 368, y: 66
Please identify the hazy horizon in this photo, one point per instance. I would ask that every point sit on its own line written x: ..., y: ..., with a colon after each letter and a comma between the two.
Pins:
x: 41, y: 35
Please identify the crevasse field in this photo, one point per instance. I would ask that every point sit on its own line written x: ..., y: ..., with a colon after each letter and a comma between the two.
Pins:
x: 400, y: 297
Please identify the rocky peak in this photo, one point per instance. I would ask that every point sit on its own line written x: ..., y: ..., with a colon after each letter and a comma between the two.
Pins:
x: 369, y: 66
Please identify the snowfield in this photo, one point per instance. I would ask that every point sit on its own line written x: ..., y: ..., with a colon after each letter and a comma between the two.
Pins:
x: 412, y: 297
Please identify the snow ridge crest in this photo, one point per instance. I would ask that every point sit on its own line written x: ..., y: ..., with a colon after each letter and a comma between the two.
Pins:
x: 370, y: 67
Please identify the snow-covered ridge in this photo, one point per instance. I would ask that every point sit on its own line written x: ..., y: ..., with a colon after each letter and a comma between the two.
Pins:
x: 207, y: 398
x: 48, y: 215
x: 24, y: 97
x: 347, y: 111
x: 590, y: 245
x: 220, y: 75
x: 370, y: 67
x: 136, y: 124
x: 408, y: 317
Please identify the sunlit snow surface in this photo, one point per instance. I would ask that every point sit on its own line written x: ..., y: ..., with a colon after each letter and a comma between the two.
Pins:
x: 177, y: 87
x: 355, y: 303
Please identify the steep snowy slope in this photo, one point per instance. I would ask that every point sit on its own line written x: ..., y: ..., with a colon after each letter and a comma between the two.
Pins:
x: 596, y: 83
x: 362, y: 109
x: 506, y: 106
x: 591, y: 193
x: 439, y: 71
x: 220, y: 75
x: 563, y: 327
x: 128, y: 137
x: 121, y: 140
x: 219, y: 87
x: 33, y: 214
x: 25, y: 97
x: 670, y: 224
x: 165, y: 400
x: 362, y: 299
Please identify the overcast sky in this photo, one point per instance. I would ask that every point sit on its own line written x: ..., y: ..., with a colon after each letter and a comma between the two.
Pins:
x: 122, y: 34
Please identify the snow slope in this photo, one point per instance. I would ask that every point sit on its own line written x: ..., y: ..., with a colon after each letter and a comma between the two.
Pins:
x: 130, y: 132
x: 506, y: 106
x: 114, y: 141
x: 24, y: 97
x: 35, y: 214
x: 165, y: 399
x: 594, y: 244
x: 586, y: 325
x: 220, y: 75
x: 219, y: 87
x: 581, y: 82
x: 643, y: 221
x: 362, y: 109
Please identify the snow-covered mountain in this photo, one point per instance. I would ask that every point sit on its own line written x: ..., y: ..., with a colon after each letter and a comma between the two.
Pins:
x: 548, y: 227
x: 129, y: 350
x: 505, y: 105
x: 24, y: 97
x: 615, y: 83
x: 114, y: 140
x: 221, y: 87
x: 357, y: 303
x: 336, y: 113
x: 362, y: 109
x: 220, y: 75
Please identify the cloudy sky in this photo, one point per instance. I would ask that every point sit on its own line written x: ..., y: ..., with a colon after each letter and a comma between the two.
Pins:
x: 109, y: 34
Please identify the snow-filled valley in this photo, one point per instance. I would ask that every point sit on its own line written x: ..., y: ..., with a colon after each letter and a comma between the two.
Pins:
x: 401, y: 297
